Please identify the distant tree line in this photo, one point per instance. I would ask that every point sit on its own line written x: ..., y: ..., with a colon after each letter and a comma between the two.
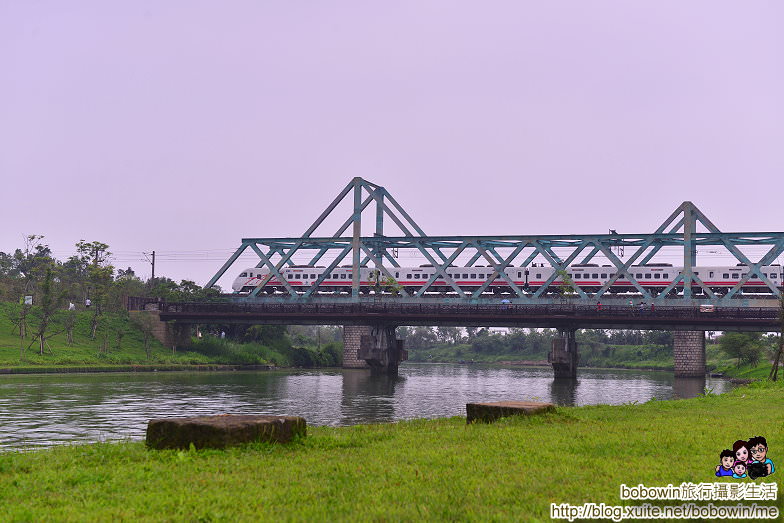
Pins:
x: 522, y: 341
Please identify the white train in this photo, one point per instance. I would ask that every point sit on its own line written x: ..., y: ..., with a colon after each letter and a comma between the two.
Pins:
x: 589, y: 277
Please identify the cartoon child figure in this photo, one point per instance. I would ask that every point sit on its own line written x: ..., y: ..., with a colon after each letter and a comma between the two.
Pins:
x: 726, y: 460
x: 759, y: 452
x: 741, y: 450
x: 739, y: 467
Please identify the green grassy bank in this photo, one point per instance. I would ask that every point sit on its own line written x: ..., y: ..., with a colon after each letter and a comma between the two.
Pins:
x: 418, y: 470
x: 119, y: 345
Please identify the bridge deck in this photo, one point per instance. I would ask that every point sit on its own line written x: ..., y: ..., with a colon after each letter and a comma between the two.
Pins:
x: 466, y: 315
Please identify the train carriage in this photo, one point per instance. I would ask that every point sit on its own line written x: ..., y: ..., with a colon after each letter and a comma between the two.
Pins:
x: 589, y: 277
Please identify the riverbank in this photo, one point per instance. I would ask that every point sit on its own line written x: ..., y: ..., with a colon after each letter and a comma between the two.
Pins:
x: 133, y: 368
x: 121, y: 342
x: 438, y: 469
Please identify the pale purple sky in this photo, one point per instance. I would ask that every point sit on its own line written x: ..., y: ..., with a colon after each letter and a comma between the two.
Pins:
x: 184, y: 126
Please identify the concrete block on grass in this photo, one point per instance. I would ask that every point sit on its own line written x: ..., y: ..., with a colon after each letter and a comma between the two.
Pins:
x: 222, y: 431
x: 489, y: 412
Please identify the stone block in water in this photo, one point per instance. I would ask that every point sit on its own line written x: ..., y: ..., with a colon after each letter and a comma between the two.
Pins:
x: 222, y: 431
x: 489, y: 412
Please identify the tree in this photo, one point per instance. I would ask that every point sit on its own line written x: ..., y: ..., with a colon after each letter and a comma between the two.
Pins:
x: 92, y: 258
x: 746, y: 347
x: 774, y: 370
x: 449, y: 334
x: 566, y: 287
x: 69, y: 322
x: 146, y: 322
x: 50, y: 302
x: 27, y: 266
x: 186, y: 290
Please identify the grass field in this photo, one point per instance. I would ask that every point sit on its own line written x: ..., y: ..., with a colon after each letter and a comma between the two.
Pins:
x: 416, y: 470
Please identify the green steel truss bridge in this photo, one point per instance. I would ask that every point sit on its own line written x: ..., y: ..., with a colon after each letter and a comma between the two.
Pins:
x: 685, y: 231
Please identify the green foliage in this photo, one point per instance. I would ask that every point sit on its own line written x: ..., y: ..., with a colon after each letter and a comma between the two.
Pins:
x: 265, y: 334
x: 419, y: 470
x: 276, y: 351
x: 566, y: 287
x: 598, y: 348
x: 746, y: 347
x: 186, y: 290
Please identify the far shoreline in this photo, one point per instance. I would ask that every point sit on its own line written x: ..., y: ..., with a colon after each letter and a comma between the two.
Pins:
x: 149, y: 368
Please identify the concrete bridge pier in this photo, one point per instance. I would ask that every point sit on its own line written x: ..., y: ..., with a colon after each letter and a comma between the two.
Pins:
x: 688, y: 350
x: 171, y: 334
x: 373, y: 346
x: 563, y: 355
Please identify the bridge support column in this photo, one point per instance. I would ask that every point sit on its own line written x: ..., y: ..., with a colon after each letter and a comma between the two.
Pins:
x: 563, y: 355
x: 172, y: 335
x: 688, y: 349
x: 352, y: 339
x: 381, y: 349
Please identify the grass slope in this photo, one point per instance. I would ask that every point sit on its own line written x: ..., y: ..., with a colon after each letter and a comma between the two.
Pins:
x: 86, y: 353
x: 416, y: 470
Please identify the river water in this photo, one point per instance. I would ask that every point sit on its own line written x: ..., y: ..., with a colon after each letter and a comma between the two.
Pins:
x: 48, y: 409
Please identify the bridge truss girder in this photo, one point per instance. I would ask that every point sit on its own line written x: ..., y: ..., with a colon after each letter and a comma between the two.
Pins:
x: 679, y: 230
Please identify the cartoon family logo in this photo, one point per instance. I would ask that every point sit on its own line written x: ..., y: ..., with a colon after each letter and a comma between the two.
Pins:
x: 738, y: 464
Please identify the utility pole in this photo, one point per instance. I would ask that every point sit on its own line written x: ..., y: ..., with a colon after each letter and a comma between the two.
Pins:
x: 152, y: 261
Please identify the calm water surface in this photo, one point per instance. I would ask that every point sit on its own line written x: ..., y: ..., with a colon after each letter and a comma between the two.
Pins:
x: 43, y: 410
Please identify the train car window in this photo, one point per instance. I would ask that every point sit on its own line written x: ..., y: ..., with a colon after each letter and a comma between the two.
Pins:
x: 408, y: 276
x: 736, y: 276
x: 773, y: 275
x: 604, y: 276
x: 656, y: 276
x: 538, y: 275
x: 334, y: 276
x: 312, y: 276
x: 744, y: 274
x: 639, y: 276
x: 473, y: 276
x: 465, y: 276
x: 726, y: 276
x: 648, y: 276
x: 244, y: 275
x: 342, y: 276
x: 754, y: 276
x: 397, y: 275
x: 578, y: 276
x: 696, y: 273
x: 595, y: 276
x: 296, y: 276
x: 710, y: 274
